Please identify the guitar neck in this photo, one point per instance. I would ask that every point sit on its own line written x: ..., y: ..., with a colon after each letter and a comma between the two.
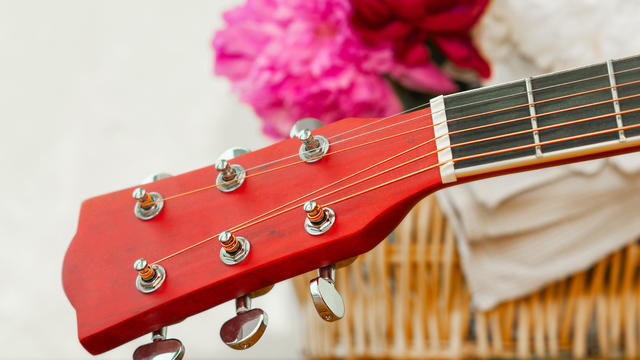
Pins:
x: 566, y: 116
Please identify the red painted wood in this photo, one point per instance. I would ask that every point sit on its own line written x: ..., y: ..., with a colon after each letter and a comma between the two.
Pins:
x: 98, y: 276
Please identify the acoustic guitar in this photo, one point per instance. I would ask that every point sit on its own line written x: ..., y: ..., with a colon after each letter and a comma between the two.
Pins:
x: 150, y: 256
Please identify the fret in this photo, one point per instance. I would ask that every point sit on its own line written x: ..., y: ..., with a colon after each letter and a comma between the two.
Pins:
x: 534, y: 119
x: 626, y: 71
x: 532, y: 114
x: 572, y: 82
x: 614, y: 95
x: 467, y: 104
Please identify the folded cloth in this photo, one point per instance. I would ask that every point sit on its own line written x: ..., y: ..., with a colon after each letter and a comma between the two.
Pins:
x: 516, y: 235
x: 519, y: 232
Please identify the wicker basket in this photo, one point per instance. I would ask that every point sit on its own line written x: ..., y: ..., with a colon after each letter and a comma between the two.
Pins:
x: 407, y: 298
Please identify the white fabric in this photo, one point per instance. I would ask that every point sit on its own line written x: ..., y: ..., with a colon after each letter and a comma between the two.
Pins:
x: 519, y: 232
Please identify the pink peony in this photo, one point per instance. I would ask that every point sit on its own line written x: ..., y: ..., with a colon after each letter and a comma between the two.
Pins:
x: 410, y: 23
x: 292, y: 59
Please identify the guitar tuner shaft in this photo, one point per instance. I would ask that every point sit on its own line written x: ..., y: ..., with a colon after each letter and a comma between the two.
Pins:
x: 313, y: 147
x: 148, y: 204
x: 246, y: 328
x: 150, y: 277
x: 160, y: 347
x: 234, y: 248
x: 230, y: 177
x: 326, y: 298
x: 319, y: 220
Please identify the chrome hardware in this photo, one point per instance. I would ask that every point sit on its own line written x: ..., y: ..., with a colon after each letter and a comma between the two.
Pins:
x: 305, y: 123
x: 234, y: 248
x: 160, y: 348
x: 150, y: 277
x: 313, y: 147
x: 148, y: 205
x: 319, y: 220
x: 233, y: 152
x: 325, y: 296
x: 155, y: 177
x: 230, y: 177
x: 246, y: 328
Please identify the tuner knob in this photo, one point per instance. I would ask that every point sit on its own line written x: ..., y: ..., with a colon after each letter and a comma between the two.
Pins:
x: 246, y: 328
x: 233, y: 152
x: 160, y: 348
x: 325, y: 296
x: 305, y: 123
x: 155, y: 177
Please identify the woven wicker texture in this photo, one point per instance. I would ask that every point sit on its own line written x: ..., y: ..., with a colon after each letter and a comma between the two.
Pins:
x: 407, y: 298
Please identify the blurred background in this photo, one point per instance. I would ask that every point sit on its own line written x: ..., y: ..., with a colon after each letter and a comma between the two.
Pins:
x: 85, y: 85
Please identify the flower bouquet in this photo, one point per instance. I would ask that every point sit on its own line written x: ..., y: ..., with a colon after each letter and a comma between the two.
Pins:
x: 331, y: 59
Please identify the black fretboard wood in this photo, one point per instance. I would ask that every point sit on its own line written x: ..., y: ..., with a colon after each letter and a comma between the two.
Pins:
x: 547, y: 102
x: 479, y: 101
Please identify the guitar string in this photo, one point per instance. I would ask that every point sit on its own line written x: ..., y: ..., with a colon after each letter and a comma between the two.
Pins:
x: 249, y: 222
x: 238, y: 227
x: 487, y: 100
x: 407, y: 132
x: 298, y: 162
x: 450, y: 108
x: 435, y: 139
x: 495, y: 152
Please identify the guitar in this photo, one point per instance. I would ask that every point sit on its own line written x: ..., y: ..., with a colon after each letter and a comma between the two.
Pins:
x: 232, y: 230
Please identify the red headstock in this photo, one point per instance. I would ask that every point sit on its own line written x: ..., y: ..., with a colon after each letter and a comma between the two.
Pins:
x: 98, y: 276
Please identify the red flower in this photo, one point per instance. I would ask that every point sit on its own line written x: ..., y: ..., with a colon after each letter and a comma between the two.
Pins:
x: 409, y: 24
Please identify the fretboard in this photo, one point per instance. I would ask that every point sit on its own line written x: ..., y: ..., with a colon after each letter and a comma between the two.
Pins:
x: 539, y: 119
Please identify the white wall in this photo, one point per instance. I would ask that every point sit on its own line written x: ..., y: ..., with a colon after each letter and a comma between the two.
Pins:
x: 80, y: 82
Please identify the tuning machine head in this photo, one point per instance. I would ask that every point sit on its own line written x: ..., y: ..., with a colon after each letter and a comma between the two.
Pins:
x: 155, y: 177
x: 233, y: 152
x: 303, y: 124
x: 230, y: 177
x: 326, y: 298
x: 160, y: 348
x: 246, y: 328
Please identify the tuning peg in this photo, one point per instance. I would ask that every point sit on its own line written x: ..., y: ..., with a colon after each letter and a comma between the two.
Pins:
x: 325, y: 296
x: 233, y: 152
x: 160, y: 348
x: 302, y: 124
x: 246, y: 328
x: 155, y: 177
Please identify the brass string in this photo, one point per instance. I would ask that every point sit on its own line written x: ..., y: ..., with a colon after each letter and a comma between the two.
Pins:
x: 259, y: 220
x: 430, y: 126
x: 495, y: 152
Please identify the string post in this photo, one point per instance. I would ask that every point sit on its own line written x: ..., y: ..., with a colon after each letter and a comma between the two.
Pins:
x: 148, y: 204
x: 313, y: 148
x: 230, y: 177
x: 224, y: 168
x: 319, y: 219
x: 234, y: 248
x: 229, y: 242
x: 150, y: 277
x: 309, y: 141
